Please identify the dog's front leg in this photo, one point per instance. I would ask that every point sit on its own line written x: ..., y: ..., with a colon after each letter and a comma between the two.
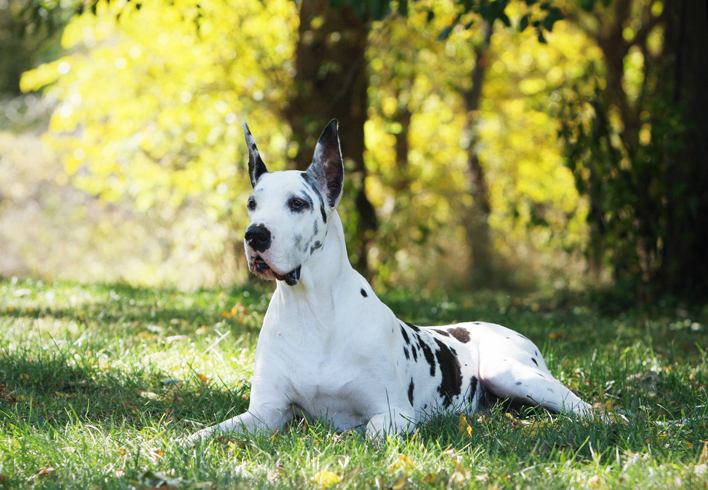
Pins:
x: 257, y: 419
x: 393, y: 421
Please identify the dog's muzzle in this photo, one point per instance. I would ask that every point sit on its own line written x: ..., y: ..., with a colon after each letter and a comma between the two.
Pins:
x: 258, y: 238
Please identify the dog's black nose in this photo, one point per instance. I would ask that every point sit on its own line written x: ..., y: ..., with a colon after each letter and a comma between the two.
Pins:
x: 258, y: 238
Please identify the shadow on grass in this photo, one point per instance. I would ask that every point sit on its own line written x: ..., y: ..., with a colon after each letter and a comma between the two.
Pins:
x: 49, y: 389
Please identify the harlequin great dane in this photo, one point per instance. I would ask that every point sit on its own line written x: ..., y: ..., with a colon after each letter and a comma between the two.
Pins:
x: 331, y: 351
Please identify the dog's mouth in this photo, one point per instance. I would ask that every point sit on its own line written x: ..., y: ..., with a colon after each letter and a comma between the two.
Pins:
x: 261, y: 268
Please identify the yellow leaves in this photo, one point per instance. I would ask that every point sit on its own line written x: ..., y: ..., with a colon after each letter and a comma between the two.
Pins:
x: 400, y: 483
x: 464, y: 426
x: 238, y: 311
x: 403, y: 463
x: 594, y: 481
x: 325, y: 479
x: 146, y: 101
x: 533, y: 429
x: 607, y: 411
x: 45, y: 74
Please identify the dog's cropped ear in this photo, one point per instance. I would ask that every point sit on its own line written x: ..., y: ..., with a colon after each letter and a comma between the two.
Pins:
x: 256, y: 167
x: 327, y: 167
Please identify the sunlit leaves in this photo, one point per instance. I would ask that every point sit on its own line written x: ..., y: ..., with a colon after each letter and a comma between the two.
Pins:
x: 152, y: 98
x: 150, y: 102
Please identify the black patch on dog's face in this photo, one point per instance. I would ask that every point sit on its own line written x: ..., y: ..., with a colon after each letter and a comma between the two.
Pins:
x: 313, y: 186
x: 317, y: 245
x: 460, y: 334
x: 451, y: 374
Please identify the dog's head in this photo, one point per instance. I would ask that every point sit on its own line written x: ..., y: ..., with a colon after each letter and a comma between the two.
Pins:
x: 288, y: 210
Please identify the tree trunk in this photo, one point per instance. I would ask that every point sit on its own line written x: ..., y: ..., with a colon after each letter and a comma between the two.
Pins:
x: 331, y: 82
x: 476, y: 221
x: 684, y: 268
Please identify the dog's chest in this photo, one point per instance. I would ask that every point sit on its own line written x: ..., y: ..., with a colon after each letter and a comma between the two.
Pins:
x: 320, y: 375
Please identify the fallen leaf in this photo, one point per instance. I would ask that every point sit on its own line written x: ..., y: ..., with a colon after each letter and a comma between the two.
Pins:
x: 325, y: 479
x: 465, y: 427
x: 5, y: 396
x: 47, y: 470
x: 403, y: 463
x: 400, y: 483
x: 430, y: 478
x: 703, y: 459
x: 534, y: 428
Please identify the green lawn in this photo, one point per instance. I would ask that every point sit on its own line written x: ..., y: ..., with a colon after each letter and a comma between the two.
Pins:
x: 98, y: 382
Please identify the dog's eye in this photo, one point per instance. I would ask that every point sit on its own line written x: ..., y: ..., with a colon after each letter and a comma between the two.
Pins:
x: 251, y: 204
x: 297, y: 204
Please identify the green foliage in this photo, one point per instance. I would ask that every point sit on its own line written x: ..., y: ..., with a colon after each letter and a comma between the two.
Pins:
x: 628, y: 183
x: 623, y: 134
x: 98, y: 382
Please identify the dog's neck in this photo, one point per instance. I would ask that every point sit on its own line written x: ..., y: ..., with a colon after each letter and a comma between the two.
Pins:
x: 324, y: 272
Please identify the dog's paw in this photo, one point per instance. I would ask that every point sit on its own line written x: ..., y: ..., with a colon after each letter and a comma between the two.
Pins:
x: 191, y: 440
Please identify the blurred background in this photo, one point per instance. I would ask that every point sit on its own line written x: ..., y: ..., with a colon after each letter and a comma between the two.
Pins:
x: 487, y: 144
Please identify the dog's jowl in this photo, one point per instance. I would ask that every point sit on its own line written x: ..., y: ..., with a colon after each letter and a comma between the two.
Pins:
x: 331, y: 351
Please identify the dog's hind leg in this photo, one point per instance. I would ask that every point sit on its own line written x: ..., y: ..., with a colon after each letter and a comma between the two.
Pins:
x: 520, y: 383
x: 517, y: 372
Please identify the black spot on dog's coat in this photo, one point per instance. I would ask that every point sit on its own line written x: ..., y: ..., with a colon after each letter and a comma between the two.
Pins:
x: 534, y: 361
x: 412, y: 327
x: 473, y: 388
x: 461, y: 334
x: 410, y: 392
x: 451, y: 383
x: 405, y: 352
x: 429, y: 357
x: 406, y: 339
x: 441, y: 332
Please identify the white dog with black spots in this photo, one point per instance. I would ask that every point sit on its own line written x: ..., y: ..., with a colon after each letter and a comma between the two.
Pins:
x: 331, y: 351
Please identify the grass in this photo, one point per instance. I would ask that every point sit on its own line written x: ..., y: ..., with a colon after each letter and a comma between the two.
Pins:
x: 98, y: 382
